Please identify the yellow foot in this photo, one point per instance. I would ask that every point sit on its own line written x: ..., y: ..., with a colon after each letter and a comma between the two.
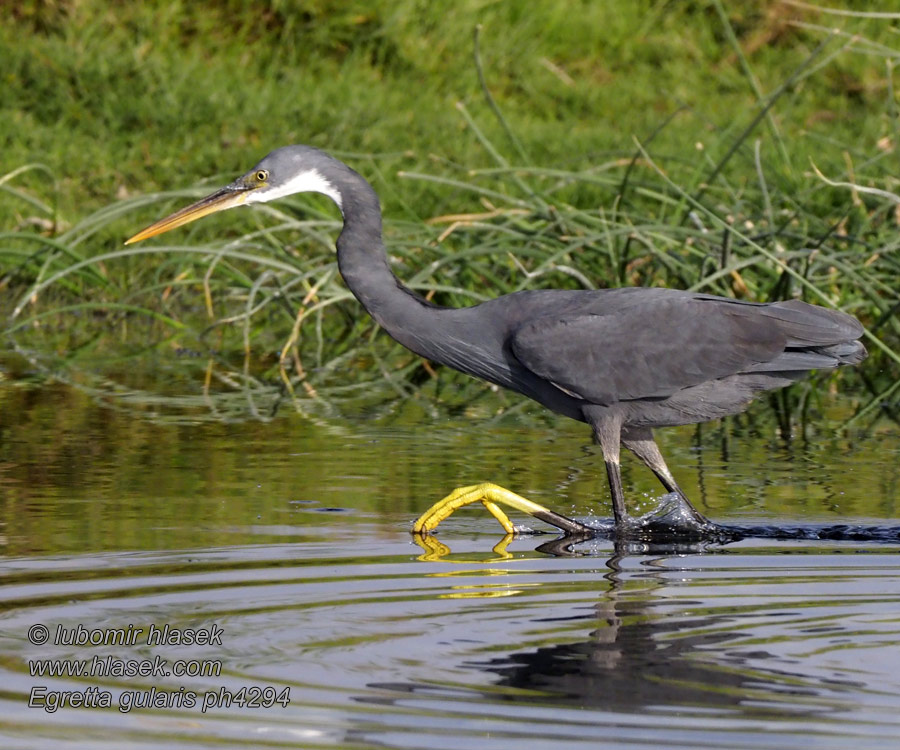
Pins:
x: 490, y: 495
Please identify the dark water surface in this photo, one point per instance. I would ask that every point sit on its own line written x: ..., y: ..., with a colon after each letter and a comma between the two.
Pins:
x: 285, y: 539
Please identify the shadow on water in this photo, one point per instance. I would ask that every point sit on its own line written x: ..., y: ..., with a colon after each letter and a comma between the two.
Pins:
x: 633, y: 660
x: 671, y: 542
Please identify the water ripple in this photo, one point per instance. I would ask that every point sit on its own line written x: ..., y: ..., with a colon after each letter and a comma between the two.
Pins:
x: 748, y: 648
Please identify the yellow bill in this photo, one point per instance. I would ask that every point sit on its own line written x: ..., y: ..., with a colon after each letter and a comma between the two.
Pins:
x: 227, y: 197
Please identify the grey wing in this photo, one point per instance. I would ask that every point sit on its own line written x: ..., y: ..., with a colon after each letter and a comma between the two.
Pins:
x: 647, y: 351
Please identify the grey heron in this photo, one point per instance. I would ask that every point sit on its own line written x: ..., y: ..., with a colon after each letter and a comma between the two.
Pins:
x: 624, y: 361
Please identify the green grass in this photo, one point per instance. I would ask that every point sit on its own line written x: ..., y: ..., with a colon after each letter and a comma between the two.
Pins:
x: 587, y: 144
x: 120, y: 100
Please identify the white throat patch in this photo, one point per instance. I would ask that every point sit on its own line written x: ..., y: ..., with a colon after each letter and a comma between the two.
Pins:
x: 309, y: 181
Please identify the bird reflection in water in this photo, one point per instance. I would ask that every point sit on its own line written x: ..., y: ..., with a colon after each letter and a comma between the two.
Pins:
x: 646, y: 644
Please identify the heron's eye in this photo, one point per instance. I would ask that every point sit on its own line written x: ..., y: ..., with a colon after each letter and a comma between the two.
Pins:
x: 262, y: 175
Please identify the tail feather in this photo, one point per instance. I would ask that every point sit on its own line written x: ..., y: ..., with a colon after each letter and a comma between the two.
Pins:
x: 816, y: 338
x: 846, y: 353
x: 807, y: 325
x: 813, y: 358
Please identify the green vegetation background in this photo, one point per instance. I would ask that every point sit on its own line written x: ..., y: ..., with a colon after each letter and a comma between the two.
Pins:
x: 596, y: 143
x: 639, y: 142
x: 125, y: 98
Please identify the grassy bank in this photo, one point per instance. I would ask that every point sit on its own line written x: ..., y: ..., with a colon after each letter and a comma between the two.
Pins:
x: 126, y: 100
x: 593, y: 144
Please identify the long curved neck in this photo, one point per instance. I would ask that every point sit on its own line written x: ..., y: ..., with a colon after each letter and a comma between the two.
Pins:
x: 459, y: 337
x: 363, y: 262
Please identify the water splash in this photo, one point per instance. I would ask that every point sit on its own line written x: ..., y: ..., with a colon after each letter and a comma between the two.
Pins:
x: 675, y: 525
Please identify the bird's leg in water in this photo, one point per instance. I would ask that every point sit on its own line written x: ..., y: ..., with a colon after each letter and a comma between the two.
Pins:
x: 607, y: 432
x: 490, y: 495
x: 640, y: 442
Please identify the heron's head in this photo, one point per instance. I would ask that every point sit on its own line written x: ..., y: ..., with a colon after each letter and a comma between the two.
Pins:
x: 285, y: 171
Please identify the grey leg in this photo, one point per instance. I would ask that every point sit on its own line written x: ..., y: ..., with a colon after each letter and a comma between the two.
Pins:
x: 640, y: 442
x: 607, y: 432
